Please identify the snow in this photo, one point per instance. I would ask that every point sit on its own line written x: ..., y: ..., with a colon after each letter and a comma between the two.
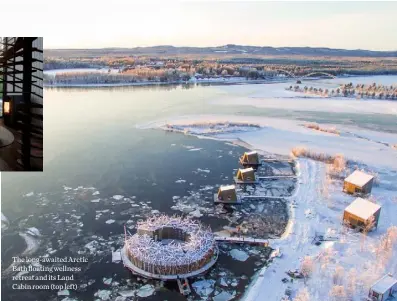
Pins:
x: 110, y: 221
x: 145, y: 291
x: 227, y: 187
x: 359, y: 178
x: 118, y: 197
x: 384, y: 284
x: 311, y: 211
x: 362, y: 208
x: 246, y: 170
x: 239, y: 255
x: 296, y: 240
x: 284, y: 135
x: 275, y: 96
x: 251, y: 153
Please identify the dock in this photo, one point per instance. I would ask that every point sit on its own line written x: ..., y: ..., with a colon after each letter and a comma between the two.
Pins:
x: 237, y: 181
x: 217, y: 201
x: 184, y: 287
x: 243, y: 240
x: 277, y: 177
x: 277, y: 160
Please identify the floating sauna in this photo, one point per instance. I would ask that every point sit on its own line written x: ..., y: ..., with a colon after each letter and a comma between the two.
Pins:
x: 362, y: 214
x: 227, y: 194
x: 358, y: 182
x: 250, y: 159
x: 170, y: 248
x: 245, y: 176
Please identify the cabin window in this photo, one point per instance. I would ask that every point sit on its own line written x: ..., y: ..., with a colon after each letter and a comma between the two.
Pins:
x: 375, y: 294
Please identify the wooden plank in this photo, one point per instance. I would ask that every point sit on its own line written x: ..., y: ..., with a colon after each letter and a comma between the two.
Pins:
x: 237, y: 181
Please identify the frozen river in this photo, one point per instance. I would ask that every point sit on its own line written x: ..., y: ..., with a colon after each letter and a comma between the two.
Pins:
x: 107, y: 163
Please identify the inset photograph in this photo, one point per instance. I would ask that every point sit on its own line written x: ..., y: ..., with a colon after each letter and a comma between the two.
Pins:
x: 21, y: 96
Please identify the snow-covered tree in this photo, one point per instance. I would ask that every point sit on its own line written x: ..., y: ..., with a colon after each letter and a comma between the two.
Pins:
x: 303, y: 295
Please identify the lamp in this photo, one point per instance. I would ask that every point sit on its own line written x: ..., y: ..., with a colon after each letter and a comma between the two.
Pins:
x: 6, y: 107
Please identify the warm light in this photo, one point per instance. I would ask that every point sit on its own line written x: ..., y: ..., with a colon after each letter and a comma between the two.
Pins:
x: 6, y: 107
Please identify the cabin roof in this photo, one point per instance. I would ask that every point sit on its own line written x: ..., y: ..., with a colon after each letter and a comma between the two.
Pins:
x: 227, y: 187
x: 362, y: 208
x: 384, y: 284
x: 359, y: 178
x: 245, y: 170
x: 251, y: 153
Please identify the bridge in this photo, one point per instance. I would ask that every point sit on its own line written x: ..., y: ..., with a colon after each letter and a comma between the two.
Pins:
x: 319, y: 73
x: 308, y: 75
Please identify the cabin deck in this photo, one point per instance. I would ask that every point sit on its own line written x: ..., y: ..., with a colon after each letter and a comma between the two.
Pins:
x: 237, y: 181
x: 216, y: 200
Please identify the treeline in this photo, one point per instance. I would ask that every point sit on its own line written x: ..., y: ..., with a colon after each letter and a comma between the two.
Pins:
x: 246, y: 67
x: 71, y: 78
x: 372, y: 91
x: 59, y: 64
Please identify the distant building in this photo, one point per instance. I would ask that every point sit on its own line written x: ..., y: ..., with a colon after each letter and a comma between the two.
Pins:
x: 226, y: 194
x: 358, y: 182
x: 250, y: 159
x: 361, y: 214
x: 245, y: 176
x: 384, y: 288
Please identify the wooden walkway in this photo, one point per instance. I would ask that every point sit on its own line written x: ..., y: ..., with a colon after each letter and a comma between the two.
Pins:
x: 277, y: 160
x: 277, y: 177
x: 184, y: 287
x: 243, y: 240
x: 261, y: 197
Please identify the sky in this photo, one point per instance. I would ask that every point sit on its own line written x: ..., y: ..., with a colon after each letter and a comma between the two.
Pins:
x: 127, y: 23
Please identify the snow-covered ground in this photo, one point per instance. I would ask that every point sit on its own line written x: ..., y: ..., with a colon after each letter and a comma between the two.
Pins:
x: 279, y: 136
x: 315, y: 210
x: 347, y: 259
x: 275, y: 96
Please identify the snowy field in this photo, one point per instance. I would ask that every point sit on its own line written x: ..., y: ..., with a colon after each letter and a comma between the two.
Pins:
x: 279, y: 136
x: 346, y: 263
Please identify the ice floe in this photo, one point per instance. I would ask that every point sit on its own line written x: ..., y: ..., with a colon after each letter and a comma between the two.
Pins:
x: 239, y: 255
x: 103, y: 294
x: 204, y: 287
x: 146, y: 291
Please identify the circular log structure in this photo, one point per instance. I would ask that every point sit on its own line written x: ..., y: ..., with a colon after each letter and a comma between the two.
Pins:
x: 170, y: 247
